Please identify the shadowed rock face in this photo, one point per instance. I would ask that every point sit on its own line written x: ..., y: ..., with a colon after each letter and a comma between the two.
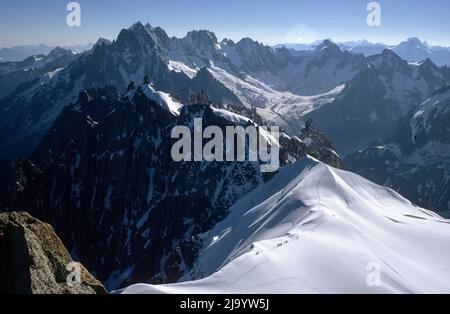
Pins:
x: 104, y: 178
x: 33, y: 259
x: 415, y: 159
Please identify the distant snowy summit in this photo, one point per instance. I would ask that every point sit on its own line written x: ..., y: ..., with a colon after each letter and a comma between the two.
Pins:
x: 412, y: 49
x: 19, y: 53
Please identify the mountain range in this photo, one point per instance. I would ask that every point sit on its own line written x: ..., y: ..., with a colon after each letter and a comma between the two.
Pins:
x: 411, y: 50
x: 19, y: 53
x: 103, y: 178
x: 414, y: 159
x: 85, y: 146
x: 245, y: 73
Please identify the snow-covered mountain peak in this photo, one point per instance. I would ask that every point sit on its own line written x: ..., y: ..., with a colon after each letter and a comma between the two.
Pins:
x: 390, y: 56
x: 317, y: 229
x: 138, y: 27
x: 201, y: 38
x: 227, y: 42
x: 413, y: 50
x: 102, y: 41
x: 137, y: 32
x: 329, y: 50
x: 249, y: 43
x: 250, y: 48
x: 58, y: 52
x: 388, y: 61
x: 413, y: 42
x: 363, y: 42
x: 161, y: 35
x: 328, y: 45
x: 246, y: 72
x: 163, y: 99
x: 198, y: 48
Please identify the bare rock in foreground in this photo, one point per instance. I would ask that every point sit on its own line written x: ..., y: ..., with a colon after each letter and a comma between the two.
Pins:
x: 34, y: 260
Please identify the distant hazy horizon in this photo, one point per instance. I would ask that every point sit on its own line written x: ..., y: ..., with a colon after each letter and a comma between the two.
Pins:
x: 219, y: 39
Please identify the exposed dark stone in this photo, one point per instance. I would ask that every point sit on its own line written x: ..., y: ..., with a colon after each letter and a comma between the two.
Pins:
x: 103, y: 176
x: 33, y: 259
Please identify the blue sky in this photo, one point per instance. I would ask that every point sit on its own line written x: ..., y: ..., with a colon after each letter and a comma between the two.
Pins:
x: 44, y: 21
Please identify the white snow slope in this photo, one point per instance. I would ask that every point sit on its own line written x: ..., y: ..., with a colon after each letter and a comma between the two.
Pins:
x: 163, y: 99
x: 281, y: 108
x: 316, y: 229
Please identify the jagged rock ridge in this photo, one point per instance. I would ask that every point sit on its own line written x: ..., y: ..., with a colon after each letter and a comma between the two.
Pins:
x: 104, y: 178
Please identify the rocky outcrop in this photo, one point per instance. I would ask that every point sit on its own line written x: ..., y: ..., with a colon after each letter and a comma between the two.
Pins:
x: 104, y: 178
x: 312, y: 142
x: 119, y: 202
x: 34, y: 260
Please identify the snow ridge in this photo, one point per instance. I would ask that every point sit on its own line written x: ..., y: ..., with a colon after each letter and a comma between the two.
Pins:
x: 316, y: 229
